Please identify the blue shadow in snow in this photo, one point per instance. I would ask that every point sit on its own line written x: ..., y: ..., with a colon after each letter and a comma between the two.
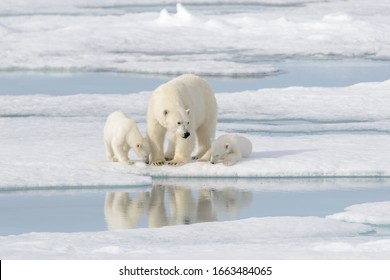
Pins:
x: 280, y: 153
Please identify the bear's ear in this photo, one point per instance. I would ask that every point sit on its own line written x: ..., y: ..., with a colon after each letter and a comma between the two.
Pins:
x: 165, y: 112
x: 188, y: 111
x: 227, y: 146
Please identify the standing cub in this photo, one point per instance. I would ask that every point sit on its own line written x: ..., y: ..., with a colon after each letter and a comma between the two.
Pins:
x: 228, y: 148
x: 122, y: 134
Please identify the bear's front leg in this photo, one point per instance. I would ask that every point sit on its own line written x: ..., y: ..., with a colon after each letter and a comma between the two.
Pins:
x: 184, y: 148
x: 170, y: 153
x: 156, y: 135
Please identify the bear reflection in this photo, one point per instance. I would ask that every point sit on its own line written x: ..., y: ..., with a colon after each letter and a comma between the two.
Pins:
x: 172, y: 205
x: 121, y: 211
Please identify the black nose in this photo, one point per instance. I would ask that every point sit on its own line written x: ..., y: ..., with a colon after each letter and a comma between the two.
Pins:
x: 186, y: 135
x: 212, y: 162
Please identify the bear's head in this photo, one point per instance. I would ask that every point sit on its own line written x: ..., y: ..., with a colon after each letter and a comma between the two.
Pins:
x: 218, y: 151
x: 178, y: 122
x: 142, y: 149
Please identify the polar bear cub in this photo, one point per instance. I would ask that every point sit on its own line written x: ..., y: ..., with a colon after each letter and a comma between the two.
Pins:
x: 228, y: 148
x: 122, y: 134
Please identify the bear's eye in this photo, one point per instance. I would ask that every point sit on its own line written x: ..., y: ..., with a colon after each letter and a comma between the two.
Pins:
x: 179, y: 123
x: 188, y: 122
x: 138, y: 145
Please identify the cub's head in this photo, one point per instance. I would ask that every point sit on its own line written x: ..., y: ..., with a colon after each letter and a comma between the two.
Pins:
x: 178, y: 122
x: 142, y: 150
x: 218, y: 151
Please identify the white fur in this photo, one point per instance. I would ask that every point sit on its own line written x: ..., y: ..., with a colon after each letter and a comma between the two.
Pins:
x: 185, y: 107
x: 122, y: 134
x: 228, y: 148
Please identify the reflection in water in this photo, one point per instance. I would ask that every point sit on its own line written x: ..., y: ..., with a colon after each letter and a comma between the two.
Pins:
x: 172, y: 205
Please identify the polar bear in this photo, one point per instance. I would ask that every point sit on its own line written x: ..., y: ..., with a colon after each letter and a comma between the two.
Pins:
x: 229, y: 148
x: 120, y: 134
x: 185, y: 107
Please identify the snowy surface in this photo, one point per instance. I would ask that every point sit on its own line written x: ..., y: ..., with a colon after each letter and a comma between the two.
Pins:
x: 230, y: 38
x: 296, y: 132
x: 255, y: 238
x: 55, y: 142
x: 377, y: 213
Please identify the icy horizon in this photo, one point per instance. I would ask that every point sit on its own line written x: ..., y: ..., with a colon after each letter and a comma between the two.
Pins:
x: 119, y: 36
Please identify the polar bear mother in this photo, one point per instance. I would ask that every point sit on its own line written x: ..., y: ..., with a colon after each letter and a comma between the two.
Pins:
x: 185, y: 107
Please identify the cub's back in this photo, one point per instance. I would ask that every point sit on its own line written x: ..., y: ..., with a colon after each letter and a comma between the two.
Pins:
x: 117, y: 122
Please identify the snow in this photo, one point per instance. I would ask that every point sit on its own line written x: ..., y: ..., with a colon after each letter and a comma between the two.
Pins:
x: 54, y: 143
x: 377, y: 213
x: 255, y: 238
x: 73, y: 35
x: 343, y: 132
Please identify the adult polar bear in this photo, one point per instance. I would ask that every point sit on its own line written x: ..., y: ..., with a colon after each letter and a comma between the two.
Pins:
x: 185, y: 107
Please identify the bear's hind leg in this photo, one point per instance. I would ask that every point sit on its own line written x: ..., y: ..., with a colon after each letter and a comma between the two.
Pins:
x: 121, y: 153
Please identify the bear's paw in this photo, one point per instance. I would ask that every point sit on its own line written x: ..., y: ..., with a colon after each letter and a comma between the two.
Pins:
x: 158, y: 163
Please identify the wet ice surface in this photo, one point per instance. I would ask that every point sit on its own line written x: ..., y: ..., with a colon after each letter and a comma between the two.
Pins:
x: 309, y: 73
x: 211, y: 218
x: 178, y: 202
